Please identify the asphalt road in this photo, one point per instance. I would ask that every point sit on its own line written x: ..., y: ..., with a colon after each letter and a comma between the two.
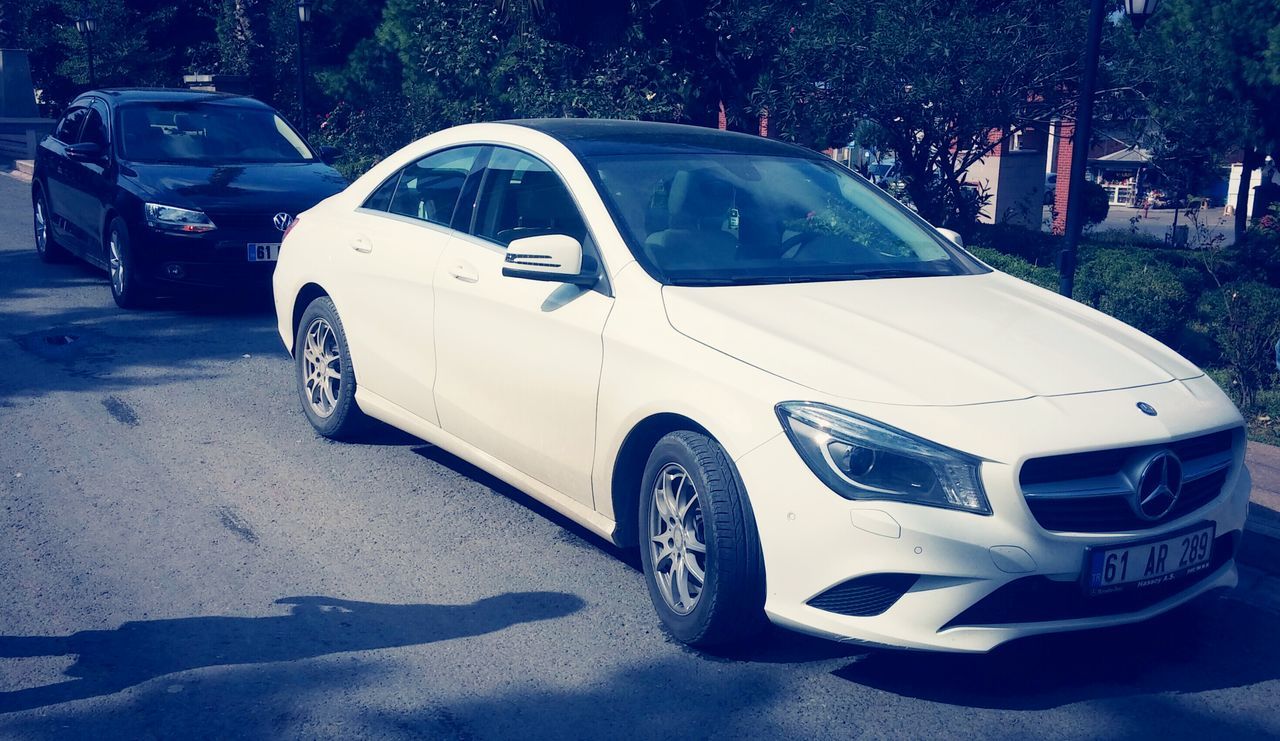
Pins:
x: 181, y: 557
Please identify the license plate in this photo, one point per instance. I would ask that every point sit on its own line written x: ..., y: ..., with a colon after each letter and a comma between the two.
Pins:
x: 264, y: 252
x: 1149, y: 562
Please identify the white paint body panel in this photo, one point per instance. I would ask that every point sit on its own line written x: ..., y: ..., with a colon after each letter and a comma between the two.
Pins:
x: 540, y: 383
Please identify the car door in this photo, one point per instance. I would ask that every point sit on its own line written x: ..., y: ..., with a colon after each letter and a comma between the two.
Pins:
x: 57, y: 179
x: 90, y: 184
x: 518, y: 361
x: 393, y: 242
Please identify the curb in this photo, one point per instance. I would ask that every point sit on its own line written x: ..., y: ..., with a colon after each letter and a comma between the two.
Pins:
x: 1261, y: 545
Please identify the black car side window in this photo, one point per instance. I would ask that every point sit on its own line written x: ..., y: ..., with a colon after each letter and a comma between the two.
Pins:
x: 429, y: 188
x: 68, y: 131
x: 95, y: 127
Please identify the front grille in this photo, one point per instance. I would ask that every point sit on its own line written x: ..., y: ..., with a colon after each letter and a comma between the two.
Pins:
x: 1038, y: 599
x: 1091, y: 492
x: 865, y: 596
x: 257, y: 223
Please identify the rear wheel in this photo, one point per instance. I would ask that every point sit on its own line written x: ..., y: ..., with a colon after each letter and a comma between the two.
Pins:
x: 46, y: 247
x: 699, y: 545
x: 326, y: 382
x: 127, y: 286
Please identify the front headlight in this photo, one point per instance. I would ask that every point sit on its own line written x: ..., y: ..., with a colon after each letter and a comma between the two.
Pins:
x: 862, y: 459
x: 174, y: 219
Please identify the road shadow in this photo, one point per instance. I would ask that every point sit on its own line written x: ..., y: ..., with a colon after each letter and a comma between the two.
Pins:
x: 1211, y: 644
x: 109, y: 661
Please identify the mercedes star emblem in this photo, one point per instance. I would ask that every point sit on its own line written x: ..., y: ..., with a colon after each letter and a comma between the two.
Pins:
x: 1158, y: 486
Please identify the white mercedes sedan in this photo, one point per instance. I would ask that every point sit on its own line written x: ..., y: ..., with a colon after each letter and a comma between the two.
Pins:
x: 800, y: 402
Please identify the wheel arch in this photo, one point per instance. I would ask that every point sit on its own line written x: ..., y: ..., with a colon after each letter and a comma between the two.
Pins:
x: 629, y: 464
x: 306, y: 294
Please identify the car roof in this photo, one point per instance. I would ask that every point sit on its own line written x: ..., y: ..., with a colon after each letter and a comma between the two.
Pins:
x: 593, y: 136
x: 169, y: 95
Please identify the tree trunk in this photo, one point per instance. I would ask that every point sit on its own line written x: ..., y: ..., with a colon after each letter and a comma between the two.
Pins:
x: 1248, y: 162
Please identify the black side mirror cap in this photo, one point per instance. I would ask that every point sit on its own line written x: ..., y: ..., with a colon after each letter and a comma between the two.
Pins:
x: 330, y: 153
x: 85, y: 152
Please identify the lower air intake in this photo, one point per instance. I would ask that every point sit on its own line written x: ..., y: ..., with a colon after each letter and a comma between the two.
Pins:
x: 865, y: 596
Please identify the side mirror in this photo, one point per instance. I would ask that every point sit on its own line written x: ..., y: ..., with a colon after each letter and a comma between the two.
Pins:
x: 85, y: 152
x: 330, y: 153
x: 551, y: 257
x: 952, y: 235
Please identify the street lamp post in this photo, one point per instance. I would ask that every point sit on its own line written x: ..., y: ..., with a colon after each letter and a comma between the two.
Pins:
x: 304, y: 17
x: 1138, y: 12
x: 86, y: 26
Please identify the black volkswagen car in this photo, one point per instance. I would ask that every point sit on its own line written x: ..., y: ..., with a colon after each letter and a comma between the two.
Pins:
x: 173, y: 189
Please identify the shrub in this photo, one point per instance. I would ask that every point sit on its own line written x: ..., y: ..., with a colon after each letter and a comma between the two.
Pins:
x: 1017, y: 267
x: 1033, y: 246
x: 1138, y: 288
x: 1096, y: 203
x: 1244, y: 320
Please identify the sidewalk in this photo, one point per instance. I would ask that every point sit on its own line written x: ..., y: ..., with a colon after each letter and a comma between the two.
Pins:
x: 1261, y: 548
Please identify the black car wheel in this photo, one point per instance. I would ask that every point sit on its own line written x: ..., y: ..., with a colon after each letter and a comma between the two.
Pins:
x: 46, y: 247
x: 699, y: 545
x: 127, y: 285
x: 326, y: 382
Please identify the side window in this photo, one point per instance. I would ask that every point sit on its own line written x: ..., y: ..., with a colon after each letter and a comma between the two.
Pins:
x: 429, y: 188
x: 522, y: 197
x: 380, y: 199
x: 95, y: 126
x: 68, y: 131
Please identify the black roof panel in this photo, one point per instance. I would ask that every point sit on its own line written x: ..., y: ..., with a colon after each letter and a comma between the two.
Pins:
x: 594, y: 136
x: 170, y: 95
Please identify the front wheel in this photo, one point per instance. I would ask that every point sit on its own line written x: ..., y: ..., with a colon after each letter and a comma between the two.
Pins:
x: 127, y: 286
x: 699, y: 545
x: 326, y: 382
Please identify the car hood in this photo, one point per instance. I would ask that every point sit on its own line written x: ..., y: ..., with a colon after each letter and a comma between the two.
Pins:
x: 291, y: 187
x: 936, y: 341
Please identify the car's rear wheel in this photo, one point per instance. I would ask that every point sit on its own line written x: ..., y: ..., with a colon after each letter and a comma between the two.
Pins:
x: 127, y: 286
x: 326, y: 381
x: 699, y: 545
x: 46, y: 246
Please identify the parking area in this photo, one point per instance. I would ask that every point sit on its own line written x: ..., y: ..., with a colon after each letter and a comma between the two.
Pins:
x: 183, y: 557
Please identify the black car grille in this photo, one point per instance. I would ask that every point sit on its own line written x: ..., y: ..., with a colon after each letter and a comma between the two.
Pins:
x: 256, y: 223
x: 1091, y: 492
x: 1038, y: 599
x: 865, y: 596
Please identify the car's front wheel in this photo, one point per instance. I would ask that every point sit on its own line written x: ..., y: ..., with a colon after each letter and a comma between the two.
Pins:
x: 128, y: 287
x: 699, y: 545
x: 326, y: 381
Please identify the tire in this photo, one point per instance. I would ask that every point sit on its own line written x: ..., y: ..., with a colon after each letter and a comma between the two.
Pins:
x: 321, y: 345
x: 46, y: 246
x: 128, y: 287
x: 716, y: 518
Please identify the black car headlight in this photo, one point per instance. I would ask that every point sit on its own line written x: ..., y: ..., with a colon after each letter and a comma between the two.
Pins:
x: 863, y: 459
x: 174, y: 219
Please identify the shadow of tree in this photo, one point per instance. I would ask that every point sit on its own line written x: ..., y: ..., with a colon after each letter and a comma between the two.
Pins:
x: 109, y: 661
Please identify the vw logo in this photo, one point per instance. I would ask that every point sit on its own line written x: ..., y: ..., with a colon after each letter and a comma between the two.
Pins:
x: 1146, y: 409
x: 282, y: 221
x: 1158, y: 486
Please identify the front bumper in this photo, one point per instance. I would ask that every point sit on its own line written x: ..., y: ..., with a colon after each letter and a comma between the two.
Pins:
x: 217, y: 260
x: 971, y: 581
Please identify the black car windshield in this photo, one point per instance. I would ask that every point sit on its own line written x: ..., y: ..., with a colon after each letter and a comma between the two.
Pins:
x: 721, y: 218
x: 207, y: 132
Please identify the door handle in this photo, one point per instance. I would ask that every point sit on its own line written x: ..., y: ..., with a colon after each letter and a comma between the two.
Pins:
x: 464, y: 272
x: 362, y: 244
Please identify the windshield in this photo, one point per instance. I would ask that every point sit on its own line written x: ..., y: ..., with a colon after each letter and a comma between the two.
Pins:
x: 719, y: 218
x: 208, y: 132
